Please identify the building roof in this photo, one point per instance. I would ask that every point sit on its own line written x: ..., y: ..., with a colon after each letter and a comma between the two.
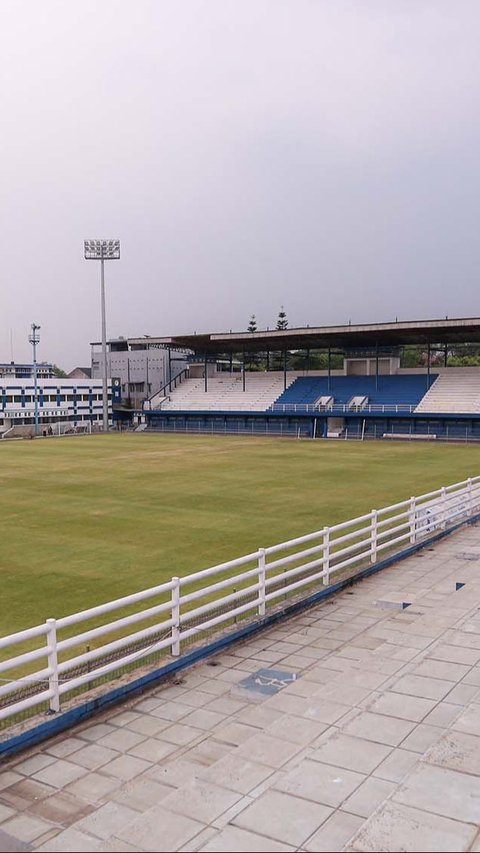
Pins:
x: 369, y: 335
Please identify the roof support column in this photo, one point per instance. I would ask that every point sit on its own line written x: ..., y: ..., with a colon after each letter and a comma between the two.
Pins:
x: 445, y: 358
x: 243, y: 370
x: 329, y: 365
x: 376, y: 365
x: 428, y: 365
x: 206, y: 371
x: 284, y: 369
x: 170, y: 370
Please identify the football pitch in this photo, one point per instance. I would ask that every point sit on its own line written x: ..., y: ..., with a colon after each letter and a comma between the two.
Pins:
x: 87, y: 519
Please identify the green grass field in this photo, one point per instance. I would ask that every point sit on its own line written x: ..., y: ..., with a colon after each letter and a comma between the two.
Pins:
x: 84, y: 520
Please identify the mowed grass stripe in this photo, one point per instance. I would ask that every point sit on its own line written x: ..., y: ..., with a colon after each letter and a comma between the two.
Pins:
x: 87, y: 519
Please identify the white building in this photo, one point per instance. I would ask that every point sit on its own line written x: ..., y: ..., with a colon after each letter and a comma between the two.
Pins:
x: 67, y: 401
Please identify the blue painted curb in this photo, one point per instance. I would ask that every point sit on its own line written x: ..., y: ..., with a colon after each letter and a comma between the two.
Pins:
x: 58, y: 723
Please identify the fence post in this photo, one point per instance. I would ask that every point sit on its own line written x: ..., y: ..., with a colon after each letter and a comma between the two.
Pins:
x: 326, y: 555
x: 176, y: 617
x: 469, y: 492
x: 413, y: 524
x: 53, y: 665
x: 373, y: 556
x: 444, y: 506
x: 261, y: 580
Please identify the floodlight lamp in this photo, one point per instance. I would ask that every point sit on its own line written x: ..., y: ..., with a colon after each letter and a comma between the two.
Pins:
x: 101, y: 250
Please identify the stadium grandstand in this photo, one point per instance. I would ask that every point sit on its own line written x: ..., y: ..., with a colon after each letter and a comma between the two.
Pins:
x: 268, y: 382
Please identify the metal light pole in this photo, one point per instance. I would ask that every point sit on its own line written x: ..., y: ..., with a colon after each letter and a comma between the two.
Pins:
x: 34, y: 339
x: 103, y: 250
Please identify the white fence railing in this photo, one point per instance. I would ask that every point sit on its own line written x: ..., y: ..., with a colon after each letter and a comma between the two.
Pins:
x: 183, y: 608
x: 343, y: 408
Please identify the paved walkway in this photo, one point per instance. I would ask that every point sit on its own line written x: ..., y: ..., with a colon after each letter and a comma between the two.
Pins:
x: 375, y: 745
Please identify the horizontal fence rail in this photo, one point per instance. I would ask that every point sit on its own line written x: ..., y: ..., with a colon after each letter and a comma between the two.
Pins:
x: 343, y: 408
x: 116, y: 637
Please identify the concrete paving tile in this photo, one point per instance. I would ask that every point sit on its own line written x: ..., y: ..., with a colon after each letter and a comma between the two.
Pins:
x: 322, y: 783
x: 180, y: 735
x: 24, y: 827
x: 201, y: 800
x: 463, y: 694
x: 267, y: 750
x: 92, y: 756
x: 145, y: 706
x: 447, y: 670
x: 235, y: 773
x: 344, y: 694
x: 195, y: 698
x: 379, y: 728
x: 455, y: 654
x: 160, y: 831
x: 93, y: 787
x: 107, y: 820
x: 419, y: 685
x: 141, y: 793
x: 124, y: 717
x: 397, y: 765
x: 352, y: 753
x: 23, y: 794
x: 301, y: 687
x: 173, y: 774
x: 369, y: 796
x: 442, y: 791
x: 61, y: 808
x: 226, y: 817
x: 469, y: 720
x: 34, y: 764
x: 8, y: 778
x: 114, y: 845
x: 397, y: 827
x: 476, y: 845
x: 70, y: 841
x: 457, y: 750
x: 208, y: 751
x: 215, y: 687
x: 6, y: 812
x: 122, y: 739
x: 472, y: 677
x: 301, y: 732
x: 64, y: 747
x: 60, y: 774
x: 97, y: 731
x: 225, y: 705
x: 260, y: 716
x: 172, y: 711
x: 203, y: 719
x: 153, y: 749
x: 234, y: 733
x: 199, y: 841
x: 125, y: 767
x: 401, y: 705
x: 422, y: 737
x: 237, y: 840
x: 443, y: 714
x: 290, y: 820
x: 148, y: 726
x: 335, y: 833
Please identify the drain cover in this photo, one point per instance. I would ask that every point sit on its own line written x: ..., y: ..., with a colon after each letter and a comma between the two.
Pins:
x: 458, y: 586
x: 393, y: 605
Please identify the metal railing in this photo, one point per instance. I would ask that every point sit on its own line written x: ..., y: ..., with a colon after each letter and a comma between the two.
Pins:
x: 162, y: 392
x: 343, y: 408
x: 181, y: 609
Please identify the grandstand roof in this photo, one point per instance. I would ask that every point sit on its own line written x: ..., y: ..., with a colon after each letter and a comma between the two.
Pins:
x: 466, y: 330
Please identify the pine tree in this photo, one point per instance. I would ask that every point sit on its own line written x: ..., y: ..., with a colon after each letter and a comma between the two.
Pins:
x: 252, y: 326
x: 282, y: 322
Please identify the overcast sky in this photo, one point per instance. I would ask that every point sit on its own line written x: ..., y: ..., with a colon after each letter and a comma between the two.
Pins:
x: 320, y: 154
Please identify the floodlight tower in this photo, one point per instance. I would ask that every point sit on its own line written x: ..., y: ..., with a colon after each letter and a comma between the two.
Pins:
x: 103, y: 250
x: 34, y: 339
